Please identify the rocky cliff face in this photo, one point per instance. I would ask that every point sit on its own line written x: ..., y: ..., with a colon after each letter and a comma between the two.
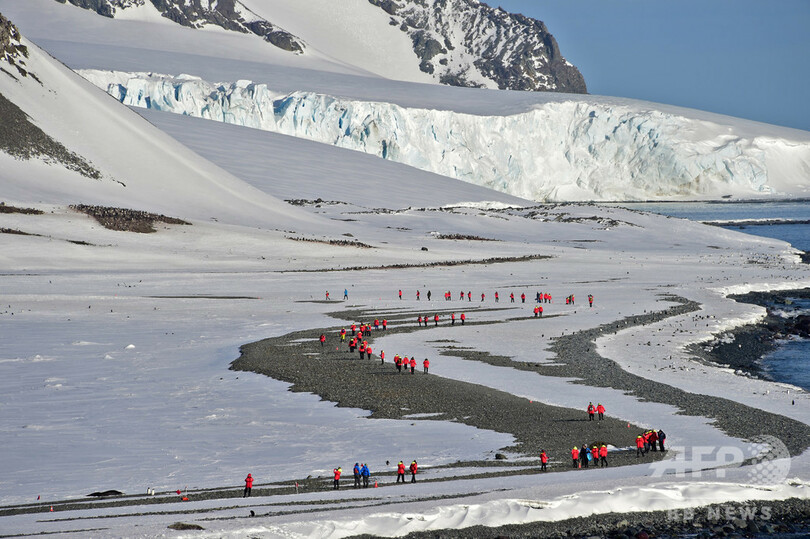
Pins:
x: 12, y: 52
x: 467, y: 43
x: 228, y: 14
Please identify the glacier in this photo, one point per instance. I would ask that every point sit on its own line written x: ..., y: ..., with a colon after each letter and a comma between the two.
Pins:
x: 575, y: 149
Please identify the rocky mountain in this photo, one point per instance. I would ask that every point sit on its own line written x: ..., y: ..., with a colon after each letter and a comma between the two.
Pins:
x: 456, y: 42
x: 19, y: 137
x: 228, y: 14
x: 468, y: 43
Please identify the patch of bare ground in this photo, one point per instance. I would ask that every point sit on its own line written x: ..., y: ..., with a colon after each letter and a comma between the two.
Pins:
x: 126, y: 220
x: 4, y: 208
x: 340, y: 243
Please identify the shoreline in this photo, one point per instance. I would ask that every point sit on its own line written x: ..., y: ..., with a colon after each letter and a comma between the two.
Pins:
x: 751, y: 342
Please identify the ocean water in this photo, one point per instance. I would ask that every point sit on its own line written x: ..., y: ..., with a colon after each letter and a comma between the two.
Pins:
x: 790, y: 363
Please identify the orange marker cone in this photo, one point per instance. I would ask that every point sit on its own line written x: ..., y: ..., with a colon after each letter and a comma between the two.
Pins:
x: 375, y: 484
x: 52, y: 509
x: 628, y: 425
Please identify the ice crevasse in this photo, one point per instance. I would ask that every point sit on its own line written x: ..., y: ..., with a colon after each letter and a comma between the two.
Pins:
x: 569, y: 150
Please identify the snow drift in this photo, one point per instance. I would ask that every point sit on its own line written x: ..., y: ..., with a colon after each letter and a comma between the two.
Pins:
x: 576, y: 149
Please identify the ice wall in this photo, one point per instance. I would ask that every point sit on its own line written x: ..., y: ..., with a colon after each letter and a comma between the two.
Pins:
x: 562, y: 151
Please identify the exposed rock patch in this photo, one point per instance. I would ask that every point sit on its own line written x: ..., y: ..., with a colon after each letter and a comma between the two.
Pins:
x: 126, y: 220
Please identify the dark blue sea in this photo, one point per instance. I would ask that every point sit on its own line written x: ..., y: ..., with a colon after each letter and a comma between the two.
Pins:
x: 790, y: 363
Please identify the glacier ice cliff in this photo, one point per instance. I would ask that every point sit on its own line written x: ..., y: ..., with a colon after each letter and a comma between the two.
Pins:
x: 570, y: 150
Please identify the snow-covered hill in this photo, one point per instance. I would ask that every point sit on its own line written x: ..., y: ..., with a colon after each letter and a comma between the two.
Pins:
x: 460, y: 42
x: 572, y: 149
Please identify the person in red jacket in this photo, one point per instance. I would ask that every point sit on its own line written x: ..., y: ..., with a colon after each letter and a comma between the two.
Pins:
x: 639, y: 445
x: 436, y: 319
x: 496, y: 297
x: 382, y: 357
x: 401, y: 472
x: 248, y: 486
x: 603, y: 456
x: 523, y: 297
x: 413, y: 467
x: 601, y: 411
x: 337, y: 471
x: 461, y: 296
x: 591, y: 411
x: 400, y: 294
x: 653, y: 441
x: 322, y: 339
x: 413, y: 365
x: 511, y: 297
x: 354, y: 327
x: 452, y: 319
x: 426, y: 365
x: 543, y: 460
x: 368, y: 352
x: 362, y: 350
x: 575, y: 456
x: 540, y: 310
x: 417, y: 295
x: 469, y: 295
x: 419, y: 321
x: 463, y: 318
x: 385, y: 324
x: 536, y: 311
x: 482, y: 296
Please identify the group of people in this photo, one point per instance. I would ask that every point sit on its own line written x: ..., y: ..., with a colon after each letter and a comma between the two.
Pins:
x: 594, y: 410
x: 425, y: 319
x: 648, y: 440
x: 362, y: 475
x: 583, y: 456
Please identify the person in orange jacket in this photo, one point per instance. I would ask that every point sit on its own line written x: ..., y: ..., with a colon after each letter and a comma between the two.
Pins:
x: 603, y: 456
x: 337, y: 471
x: 368, y: 352
x: 248, y: 486
x: 463, y: 318
x: 413, y: 364
x: 543, y: 460
x: 401, y: 472
x: 536, y: 311
x: 575, y: 456
x: 426, y: 364
x: 413, y: 467
x: 639, y: 445
x: 601, y: 411
x: 591, y: 411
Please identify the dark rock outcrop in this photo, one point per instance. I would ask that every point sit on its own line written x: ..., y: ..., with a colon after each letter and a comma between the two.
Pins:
x: 513, y: 51
x: 198, y: 13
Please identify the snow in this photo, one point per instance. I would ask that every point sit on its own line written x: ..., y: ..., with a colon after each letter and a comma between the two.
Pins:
x: 114, y: 358
x: 558, y: 151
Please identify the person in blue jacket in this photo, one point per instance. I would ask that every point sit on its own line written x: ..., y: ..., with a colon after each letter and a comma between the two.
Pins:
x: 366, y: 473
x: 356, y: 475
